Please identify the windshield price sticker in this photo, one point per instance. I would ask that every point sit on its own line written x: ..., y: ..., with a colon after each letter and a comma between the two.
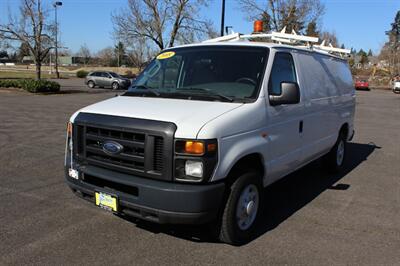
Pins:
x: 165, y: 55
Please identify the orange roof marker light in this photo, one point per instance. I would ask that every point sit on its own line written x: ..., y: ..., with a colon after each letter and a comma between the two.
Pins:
x: 258, y: 26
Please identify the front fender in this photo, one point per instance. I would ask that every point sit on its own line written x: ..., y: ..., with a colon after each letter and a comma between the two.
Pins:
x: 234, y: 148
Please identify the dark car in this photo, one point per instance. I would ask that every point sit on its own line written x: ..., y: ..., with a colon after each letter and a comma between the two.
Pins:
x: 106, y: 79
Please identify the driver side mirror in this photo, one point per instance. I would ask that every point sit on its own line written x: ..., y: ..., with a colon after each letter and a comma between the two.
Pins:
x: 290, y: 94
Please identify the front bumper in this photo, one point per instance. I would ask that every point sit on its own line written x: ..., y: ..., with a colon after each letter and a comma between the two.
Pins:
x: 125, y: 84
x: 152, y: 200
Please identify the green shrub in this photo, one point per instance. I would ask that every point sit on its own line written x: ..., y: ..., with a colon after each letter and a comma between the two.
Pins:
x: 31, y: 85
x: 82, y: 74
x: 10, y: 83
x: 40, y: 85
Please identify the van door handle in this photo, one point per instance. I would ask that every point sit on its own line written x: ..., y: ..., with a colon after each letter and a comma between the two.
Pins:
x: 301, y: 126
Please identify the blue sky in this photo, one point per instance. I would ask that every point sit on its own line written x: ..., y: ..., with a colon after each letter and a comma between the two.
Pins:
x: 357, y: 23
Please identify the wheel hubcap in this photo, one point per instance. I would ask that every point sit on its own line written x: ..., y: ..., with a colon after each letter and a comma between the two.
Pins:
x: 247, y: 207
x: 340, y: 153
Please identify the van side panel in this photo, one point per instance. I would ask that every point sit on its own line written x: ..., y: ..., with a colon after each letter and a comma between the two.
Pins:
x: 327, y: 83
x: 345, y: 103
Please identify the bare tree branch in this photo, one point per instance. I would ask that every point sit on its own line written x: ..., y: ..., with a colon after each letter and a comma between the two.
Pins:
x: 157, y: 24
x: 30, y: 28
x: 277, y: 14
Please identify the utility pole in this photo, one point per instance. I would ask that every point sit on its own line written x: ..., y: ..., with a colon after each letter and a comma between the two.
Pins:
x: 223, y: 18
x: 118, y: 53
x: 55, y: 13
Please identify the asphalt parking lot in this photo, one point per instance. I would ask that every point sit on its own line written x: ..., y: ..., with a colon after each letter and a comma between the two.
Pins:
x: 310, y: 218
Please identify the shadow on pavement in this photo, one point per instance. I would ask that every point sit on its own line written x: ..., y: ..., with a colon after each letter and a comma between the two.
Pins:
x: 282, y: 199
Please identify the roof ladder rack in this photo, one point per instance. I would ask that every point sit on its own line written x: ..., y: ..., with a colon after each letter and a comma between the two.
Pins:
x: 331, y: 49
x: 284, y: 38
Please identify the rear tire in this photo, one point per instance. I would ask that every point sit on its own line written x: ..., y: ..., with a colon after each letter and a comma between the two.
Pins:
x: 91, y: 84
x: 335, y: 159
x: 241, y: 212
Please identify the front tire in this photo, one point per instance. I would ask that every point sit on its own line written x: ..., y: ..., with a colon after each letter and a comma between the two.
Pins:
x: 241, y: 212
x: 334, y: 160
x: 115, y: 86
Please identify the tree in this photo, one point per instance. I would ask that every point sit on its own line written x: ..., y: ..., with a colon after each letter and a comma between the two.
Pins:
x: 330, y: 38
x: 32, y: 29
x: 85, y: 54
x: 312, y: 29
x: 3, y: 54
x: 394, y: 32
x: 361, y: 52
x: 139, y: 54
x: 292, y: 14
x: 364, y: 59
x: 160, y: 23
x: 106, y: 56
x: 23, y: 50
x: 370, y: 52
x: 351, y: 62
x: 119, y: 51
x: 13, y: 56
x: 391, y: 50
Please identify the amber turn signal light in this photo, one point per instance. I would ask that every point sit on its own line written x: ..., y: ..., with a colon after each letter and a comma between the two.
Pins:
x: 194, y: 147
x: 69, y: 129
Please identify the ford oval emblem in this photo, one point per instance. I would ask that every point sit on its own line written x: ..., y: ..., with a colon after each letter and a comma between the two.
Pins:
x: 112, y: 147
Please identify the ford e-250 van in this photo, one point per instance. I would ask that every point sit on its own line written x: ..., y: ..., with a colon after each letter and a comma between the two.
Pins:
x: 206, y: 127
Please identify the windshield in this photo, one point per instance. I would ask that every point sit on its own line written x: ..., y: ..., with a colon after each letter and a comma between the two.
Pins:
x: 226, y: 73
x: 115, y: 75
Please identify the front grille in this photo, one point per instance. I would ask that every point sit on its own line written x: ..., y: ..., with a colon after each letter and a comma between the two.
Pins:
x: 147, y: 145
x: 132, y: 156
x: 158, y: 154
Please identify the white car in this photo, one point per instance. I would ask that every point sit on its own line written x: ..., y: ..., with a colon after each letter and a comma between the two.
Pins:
x: 396, y: 87
x: 205, y: 127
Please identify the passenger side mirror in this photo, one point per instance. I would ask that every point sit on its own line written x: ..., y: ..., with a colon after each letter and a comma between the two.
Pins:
x: 290, y: 94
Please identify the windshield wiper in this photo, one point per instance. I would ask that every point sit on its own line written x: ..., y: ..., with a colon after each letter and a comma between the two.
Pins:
x: 147, y: 88
x: 208, y: 92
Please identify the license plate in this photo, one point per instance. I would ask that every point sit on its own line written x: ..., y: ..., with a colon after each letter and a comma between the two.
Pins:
x: 106, y: 201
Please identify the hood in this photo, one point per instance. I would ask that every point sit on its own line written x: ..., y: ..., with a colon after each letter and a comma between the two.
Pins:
x: 188, y: 115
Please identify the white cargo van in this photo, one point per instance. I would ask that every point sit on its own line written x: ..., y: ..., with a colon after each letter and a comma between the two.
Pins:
x: 207, y: 126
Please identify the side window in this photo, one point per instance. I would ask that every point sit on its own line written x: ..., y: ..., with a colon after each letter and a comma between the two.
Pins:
x: 283, y: 70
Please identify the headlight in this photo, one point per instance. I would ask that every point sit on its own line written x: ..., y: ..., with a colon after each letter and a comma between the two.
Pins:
x: 195, y: 160
x: 194, y: 168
